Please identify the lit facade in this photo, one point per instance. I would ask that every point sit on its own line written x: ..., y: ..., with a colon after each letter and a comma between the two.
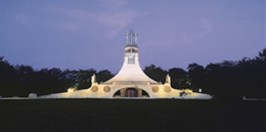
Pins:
x: 130, y: 82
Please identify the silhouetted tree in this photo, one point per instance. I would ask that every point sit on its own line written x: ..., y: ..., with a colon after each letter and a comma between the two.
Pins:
x: 156, y: 73
x: 178, y: 78
x: 232, y: 79
x: 8, y: 79
x: 83, y: 78
x: 197, y: 77
x: 103, y: 76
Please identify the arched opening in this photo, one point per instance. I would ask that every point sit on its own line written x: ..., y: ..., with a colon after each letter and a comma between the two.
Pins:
x: 117, y: 94
x: 131, y: 92
x: 145, y: 94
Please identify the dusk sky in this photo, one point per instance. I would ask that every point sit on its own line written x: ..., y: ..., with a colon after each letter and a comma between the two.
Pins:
x: 84, y: 34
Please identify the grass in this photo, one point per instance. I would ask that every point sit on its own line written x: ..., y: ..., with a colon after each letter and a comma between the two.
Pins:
x: 90, y: 115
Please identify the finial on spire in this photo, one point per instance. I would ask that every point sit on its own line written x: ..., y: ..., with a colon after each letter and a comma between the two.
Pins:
x: 131, y: 38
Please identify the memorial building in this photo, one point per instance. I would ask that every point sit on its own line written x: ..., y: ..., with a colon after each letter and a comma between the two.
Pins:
x: 130, y: 82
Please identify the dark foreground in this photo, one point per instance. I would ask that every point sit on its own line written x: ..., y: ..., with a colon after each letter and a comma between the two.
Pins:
x: 74, y: 115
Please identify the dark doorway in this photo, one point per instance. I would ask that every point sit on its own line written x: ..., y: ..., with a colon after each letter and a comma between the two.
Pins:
x: 131, y: 92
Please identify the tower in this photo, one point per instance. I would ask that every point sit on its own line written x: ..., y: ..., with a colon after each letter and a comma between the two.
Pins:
x: 131, y: 70
x: 131, y: 49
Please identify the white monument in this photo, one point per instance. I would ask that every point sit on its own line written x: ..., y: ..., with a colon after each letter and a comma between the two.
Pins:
x: 130, y: 82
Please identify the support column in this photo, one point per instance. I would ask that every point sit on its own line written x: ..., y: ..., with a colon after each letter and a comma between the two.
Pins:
x: 139, y: 92
x: 123, y: 92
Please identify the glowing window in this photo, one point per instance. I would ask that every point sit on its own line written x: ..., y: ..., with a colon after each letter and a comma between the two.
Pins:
x: 131, y: 59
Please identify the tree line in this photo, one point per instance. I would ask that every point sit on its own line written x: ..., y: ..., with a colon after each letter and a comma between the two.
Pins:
x: 225, y: 80
x: 21, y: 80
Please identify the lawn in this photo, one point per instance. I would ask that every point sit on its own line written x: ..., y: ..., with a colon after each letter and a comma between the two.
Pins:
x: 90, y: 115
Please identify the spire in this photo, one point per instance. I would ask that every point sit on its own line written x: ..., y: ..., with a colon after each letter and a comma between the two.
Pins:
x: 131, y: 38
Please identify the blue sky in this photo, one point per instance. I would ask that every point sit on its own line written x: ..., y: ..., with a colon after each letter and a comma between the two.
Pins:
x: 83, y: 34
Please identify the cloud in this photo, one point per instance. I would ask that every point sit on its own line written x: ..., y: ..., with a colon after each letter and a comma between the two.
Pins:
x: 205, y: 27
x: 117, y: 17
x: 112, y: 20
x: 116, y: 22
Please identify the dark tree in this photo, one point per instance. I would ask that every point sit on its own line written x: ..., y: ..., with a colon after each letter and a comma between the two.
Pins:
x: 197, y: 77
x: 156, y: 73
x: 83, y: 78
x: 178, y: 78
x: 232, y: 79
x: 103, y: 76
x: 8, y: 79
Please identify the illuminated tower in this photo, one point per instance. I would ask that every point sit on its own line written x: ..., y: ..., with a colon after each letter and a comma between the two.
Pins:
x: 131, y: 70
